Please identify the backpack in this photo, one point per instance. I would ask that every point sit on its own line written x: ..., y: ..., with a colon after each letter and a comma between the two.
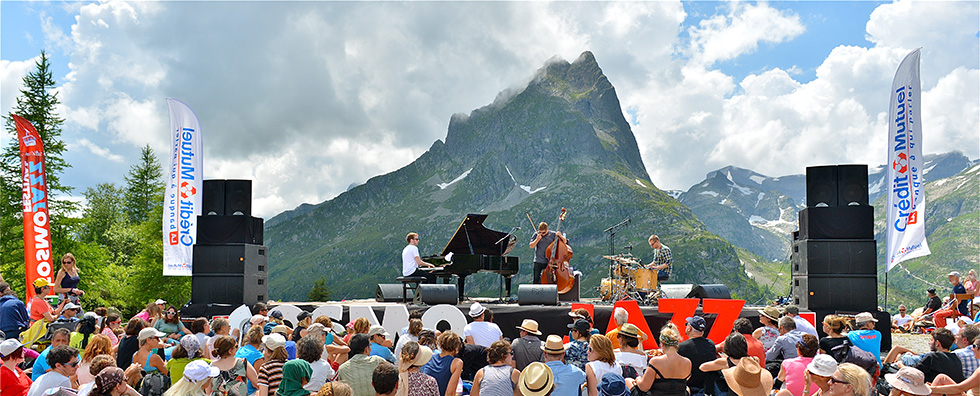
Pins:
x: 848, y: 353
x: 154, y: 384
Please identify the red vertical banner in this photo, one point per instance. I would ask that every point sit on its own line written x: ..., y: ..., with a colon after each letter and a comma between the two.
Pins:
x: 37, y: 230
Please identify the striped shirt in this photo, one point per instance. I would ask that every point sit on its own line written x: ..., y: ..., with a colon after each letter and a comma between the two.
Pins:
x: 270, y: 375
x: 970, y: 363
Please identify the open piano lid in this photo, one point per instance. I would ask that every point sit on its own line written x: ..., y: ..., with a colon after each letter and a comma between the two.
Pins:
x: 472, y: 237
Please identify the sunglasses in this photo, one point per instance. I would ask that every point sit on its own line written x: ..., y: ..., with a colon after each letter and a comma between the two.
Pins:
x: 67, y: 262
x: 975, y: 346
x: 73, y: 364
x: 837, y: 381
x: 171, y: 313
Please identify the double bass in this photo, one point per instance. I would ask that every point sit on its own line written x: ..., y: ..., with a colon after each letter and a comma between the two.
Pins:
x: 559, y: 254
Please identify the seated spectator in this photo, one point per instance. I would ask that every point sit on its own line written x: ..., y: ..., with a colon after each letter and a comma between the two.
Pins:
x: 69, y: 313
x: 699, y: 350
x: 150, y: 339
x: 275, y: 319
x: 630, y: 356
x: 310, y: 349
x: 63, y: 361
x: 285, y: 333
x: 221, y: 327
x: 944, y: 385
x: 171, y: 326
x: 188, y: 350
x: 358, y: 326
x: 251, y: 352
x: 383, y: 379
x: 833, y: 327
x: 802, y: 324
x: 13, y: 380
x: 767, y: 334
x: 151, y: 313
x: 612, y: 384
x: 527, y: 348
x: 499, y: 377
x: 200, y: 329
x: 86, y: 326
x: 445, y: 367
x: 98, y: 364
x: 940, y: 360
x: 602, y: 360
x: 481, y: 331
x: 417, y: 383
x: 99, y: 345
x: 60, y: 336
x: 668, y: 372
x: 576, y: 351
x: 234, y: 372
x: 336, y: 354
x: 621, y: 316
x: 377, y: 335
x: 112, y: 327
x: 270, y: 373
x: 964, y: 341
x: 793, y: 370
x: 818, y: 374
x: 303, y: 320
x: 357, y: 369
x: 195, y: 380
x: 953, y: 310
x: 850, y: 380
x: 414, y: 328
x: 735, y: 347
x: 748, y: 378
x: 537, y: 379
x: 568, y: 378
x: 755, y: 347
x: 295, y: 374
x: 39, y: 307
x: 335, y: 388
x: 111, y: 381
x: 901, y: 322
x: 866, y: 337
x: 908, y: 381
x: 14, y: 318
x: 582, y: 313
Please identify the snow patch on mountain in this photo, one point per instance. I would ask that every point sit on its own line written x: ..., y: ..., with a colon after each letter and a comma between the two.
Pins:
x: 442, y: 186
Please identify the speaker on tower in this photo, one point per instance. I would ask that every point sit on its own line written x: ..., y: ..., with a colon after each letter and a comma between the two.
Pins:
x: 852, y: 185
x: 238, y: 197
x: 821, y: 186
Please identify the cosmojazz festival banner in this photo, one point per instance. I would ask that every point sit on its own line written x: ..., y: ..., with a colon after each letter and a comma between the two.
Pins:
x: 182, y: 200
x: 37, y: 229
x: 906, y: 228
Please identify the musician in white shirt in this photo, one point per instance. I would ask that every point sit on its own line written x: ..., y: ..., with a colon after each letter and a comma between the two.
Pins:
x: 411, y: 261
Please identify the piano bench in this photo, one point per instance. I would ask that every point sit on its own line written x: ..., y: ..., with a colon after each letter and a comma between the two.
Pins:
x: 409, y: 283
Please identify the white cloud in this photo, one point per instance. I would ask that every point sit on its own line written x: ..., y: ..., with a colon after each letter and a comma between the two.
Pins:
x: 12, y: 74
x: 724, y: 37
x: 97, y: 150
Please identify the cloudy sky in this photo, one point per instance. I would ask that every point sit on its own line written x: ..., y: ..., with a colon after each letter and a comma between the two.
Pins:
x: 306, y: 98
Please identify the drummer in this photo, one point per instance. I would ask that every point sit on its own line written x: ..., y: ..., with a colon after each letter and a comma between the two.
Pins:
x: 661, y: 258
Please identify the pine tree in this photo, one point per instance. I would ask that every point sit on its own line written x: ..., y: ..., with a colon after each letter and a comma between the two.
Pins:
x: 144, y: 187
x: 36, y: 103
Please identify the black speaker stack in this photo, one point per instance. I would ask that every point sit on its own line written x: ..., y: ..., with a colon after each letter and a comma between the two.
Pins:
x: 230, y: 262
x: 834, y: 256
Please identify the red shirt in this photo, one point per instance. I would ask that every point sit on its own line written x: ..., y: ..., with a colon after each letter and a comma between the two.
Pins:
x: 38, y: 308
x: 14, y: 383
x: 756, y: 349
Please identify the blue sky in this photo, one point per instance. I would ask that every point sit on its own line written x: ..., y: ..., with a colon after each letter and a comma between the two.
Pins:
x: 704, y: 84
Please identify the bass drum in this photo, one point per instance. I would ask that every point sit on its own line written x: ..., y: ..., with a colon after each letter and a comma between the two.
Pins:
x: 609, y: 288
x: 646, y: 279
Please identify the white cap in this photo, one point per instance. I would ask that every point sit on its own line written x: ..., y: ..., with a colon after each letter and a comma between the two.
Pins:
x: 71, y: 305
x: 198, y: 370
x: 273, y: 341
x: 161, y: 301
x: 9, y: 345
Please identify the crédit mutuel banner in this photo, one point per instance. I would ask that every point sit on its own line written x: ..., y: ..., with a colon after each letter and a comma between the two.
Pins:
x: 182, y: 201
x: 37, y: 229
x: 906, y: 228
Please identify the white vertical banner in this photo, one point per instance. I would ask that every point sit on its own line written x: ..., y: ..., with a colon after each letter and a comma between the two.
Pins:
x: 182, y: 201
x: 906, y: 228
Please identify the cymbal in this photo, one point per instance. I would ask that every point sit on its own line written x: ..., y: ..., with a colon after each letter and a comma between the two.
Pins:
x: 611, y: 258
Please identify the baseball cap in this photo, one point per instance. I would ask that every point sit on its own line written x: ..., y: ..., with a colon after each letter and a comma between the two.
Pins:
x: 257, y: 319
x: 161, y: 301
x: 71, y: 305
x: 316, y: 329
x: 581, y: 325
x: 198, y: 370
x: 281, y: 329
x: 275, y: 314
x: 273, y: 341
x: 42, y: 282
x: 954, y: 273
x: 696, y: 322
x: 303, y: 315
x: 376, y: 330
x: 823, y: 365
x: 150, y: 332
x: 10, y: 345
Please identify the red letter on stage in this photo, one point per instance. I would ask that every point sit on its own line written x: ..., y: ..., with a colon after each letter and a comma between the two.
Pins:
x: 682, y: 308
x: 727, y: 310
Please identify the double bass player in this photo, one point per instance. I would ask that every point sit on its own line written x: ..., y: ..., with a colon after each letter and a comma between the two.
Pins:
x: 540, y: 243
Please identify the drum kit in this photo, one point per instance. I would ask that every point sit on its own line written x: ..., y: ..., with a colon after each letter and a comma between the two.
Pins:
x: 628, y: 280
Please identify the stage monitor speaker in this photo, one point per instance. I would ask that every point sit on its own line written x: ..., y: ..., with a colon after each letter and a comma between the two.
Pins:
x: 845, y: 293
x: 229, y: 288
x: 834, y: 256
x: 434, y: 294
x: 238, y: 197
x: 240, y: 259
x: 852, y: 185
x: 213, y: 197
x: 392, y: 292
x: 840, y: 222
x: 717, y: 291
x: 821, y: 186
x: 681, y: 290
x: 220, y: 230
x: 537, y: 295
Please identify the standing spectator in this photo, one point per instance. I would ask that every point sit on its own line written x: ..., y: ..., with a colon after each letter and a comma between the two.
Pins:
x: 538, y: 380
x: 793, y: 370
x: 99, y: 345
x: 310, y: 349
x: 110, y: 327
x: 527, y: 348
x: 833, y: 326
x: 414, y: 328
x: 802, y: 325
x: 270, y: 373
x: 602, y: 360
x: 498, y: 378
x: 954, y: 311
x: 66, y: 282
x: 295, y: 374
x: 251, y: 353
x: 63, y: 360
x: 576, y: 352
x: 415, y: 382
x: 620, y: 316
x: 480, y: 332
x: 234, y: 371
x: 699, y: 350
x: 357, y: 370
x: 58, y: 337
x: 39, y: 307
x: 378, y: 335
x: 629, y: 354
x: 866, y: 337
x: 769, y: 331
x: 183, y: 354
x: 171, y: 325
x: 669, y: 371
x: 383, y: 379
x: 445, y: 367
x: 785, y: 345
x: 196, y: 380
x: 568, y: 378
x: 13, y: 380
x: 13, y: 313
x: 901, y: 322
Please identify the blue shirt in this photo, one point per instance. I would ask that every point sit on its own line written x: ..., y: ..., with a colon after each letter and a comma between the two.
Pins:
x: 867, y: 340
x: 964, y: 307
x: 291, y: 349
x: 785, y: 346
x: 382, y: 351
x: 250, y: 354
x: 13, y: 316
x: 568, y: 378
x: 40, y: 364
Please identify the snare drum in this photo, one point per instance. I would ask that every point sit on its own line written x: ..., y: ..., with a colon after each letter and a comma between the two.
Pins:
x: 646, y: 279
x: 611, y: 287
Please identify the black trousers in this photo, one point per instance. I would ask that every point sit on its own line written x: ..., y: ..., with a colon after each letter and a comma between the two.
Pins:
x: 429, y: 278
x: 538, y: 268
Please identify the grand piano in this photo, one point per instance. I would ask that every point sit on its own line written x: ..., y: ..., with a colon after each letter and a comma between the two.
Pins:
x: 475, y: 248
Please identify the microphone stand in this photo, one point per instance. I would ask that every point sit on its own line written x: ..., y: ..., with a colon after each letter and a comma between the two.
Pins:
x: 612, y: 237
x: 500, y: 282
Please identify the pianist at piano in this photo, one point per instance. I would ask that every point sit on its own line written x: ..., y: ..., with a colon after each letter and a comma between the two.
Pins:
x: 411, y: 261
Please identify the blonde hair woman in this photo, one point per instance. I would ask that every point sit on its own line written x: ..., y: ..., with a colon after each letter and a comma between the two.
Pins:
x: 849, y: 379
x: 196, y: 380
x: 668, y: 371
